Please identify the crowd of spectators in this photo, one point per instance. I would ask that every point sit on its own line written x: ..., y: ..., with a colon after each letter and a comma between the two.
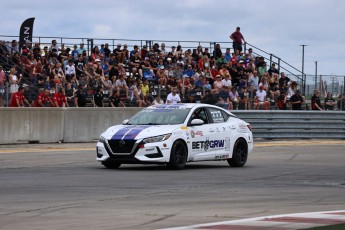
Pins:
x: 58, y: 76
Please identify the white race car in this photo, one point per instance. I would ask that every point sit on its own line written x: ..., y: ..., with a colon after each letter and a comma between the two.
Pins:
x: 174, y: 134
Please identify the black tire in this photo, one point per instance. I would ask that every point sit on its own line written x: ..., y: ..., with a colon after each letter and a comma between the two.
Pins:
x: 178, y: 155
x: 111, y: 164
x: 240, y: 154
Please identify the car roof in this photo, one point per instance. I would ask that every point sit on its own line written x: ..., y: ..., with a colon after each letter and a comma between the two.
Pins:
x: 185, y: 106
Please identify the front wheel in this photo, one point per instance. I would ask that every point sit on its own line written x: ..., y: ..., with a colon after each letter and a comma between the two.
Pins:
x: 111, y: 164
x: 240, y: 154
x: 178, y: 155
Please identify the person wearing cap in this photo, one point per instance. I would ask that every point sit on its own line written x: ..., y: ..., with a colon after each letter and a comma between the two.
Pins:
x: 329, y: 102
x: 189, y: 71
x: 296, y: 100
x: 315, y: 101
x: 18, y: 99
x: 237, y: 39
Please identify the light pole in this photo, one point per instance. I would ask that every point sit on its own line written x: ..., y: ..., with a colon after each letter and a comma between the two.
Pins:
x: 304, y: 78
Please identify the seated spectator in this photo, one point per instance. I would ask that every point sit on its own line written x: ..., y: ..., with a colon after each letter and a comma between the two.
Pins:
x: 341, y: 102
x: 218, y: 84
x: 210, y: 97
x: 329, y: 102
x: 282, y: 101
x: 60, y: 99
x: 296, y: 100
x: 274, y: 94
x: 189, y: 71
x: 292, y: 87
x: 260, y: 99
x: 190, y: 99
x: 121, y: 84
x: 137, y: 96
x: 18, y: 99
x: 244, y: 102
x: 234, y: 98
x: 315, y: 101
x: 283, y: 82
x: 2, y: 84
x: 115, y: 100
x: 273, y: 70
x: 224, y: 98
x: 98, y: 97
x: 44, y: 100
x: 185, y: 85
x: 157, y: 101
x: 253, y: 81
x: 80, y: 97
x: 173, y: 97
x: 69, y: 92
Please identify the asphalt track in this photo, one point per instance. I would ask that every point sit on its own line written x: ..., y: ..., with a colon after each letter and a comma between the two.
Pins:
x: 61, y: 186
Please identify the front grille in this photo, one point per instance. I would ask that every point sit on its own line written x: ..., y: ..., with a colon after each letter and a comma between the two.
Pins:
x: 118, y: 147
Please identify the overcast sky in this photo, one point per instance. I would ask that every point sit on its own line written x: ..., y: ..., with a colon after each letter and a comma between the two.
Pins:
x: 277, y: 27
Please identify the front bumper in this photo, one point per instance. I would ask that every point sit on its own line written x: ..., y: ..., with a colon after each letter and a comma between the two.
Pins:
x: 133, y: 153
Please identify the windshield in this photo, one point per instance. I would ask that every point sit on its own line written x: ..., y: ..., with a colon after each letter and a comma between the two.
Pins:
x: 159, y: 116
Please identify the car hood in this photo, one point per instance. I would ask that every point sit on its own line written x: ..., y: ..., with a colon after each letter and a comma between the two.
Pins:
x: 135, y: 132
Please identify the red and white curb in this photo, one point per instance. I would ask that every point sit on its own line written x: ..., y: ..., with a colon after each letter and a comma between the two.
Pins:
x: 282, y: 222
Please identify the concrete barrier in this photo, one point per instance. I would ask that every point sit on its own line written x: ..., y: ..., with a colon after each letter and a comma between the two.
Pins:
x: 49, y: 125
x: 86, y: 124
x: 23, y: 125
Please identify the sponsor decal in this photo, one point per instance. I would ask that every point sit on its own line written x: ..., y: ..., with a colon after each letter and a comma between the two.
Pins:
x: 128, y: 132
x: 192, y: 134
x: 227, y: 143
x: 150, y: 149
x: 208, y: 144
x: 220, y: 157
x: 199, y: 133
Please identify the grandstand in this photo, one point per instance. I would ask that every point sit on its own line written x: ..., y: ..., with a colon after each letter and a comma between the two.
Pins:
x: 164, y: 64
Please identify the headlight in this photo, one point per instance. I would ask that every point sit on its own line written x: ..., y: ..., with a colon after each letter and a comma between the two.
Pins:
x: 102, y: 140
x: 157, y: 138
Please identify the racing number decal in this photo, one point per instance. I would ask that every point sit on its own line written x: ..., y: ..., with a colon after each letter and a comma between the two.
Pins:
x: 217, y: 116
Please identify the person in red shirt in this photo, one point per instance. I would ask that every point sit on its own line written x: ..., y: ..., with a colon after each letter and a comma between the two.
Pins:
x: 42, y: 99
x: 18, y: 98
x: 60, y: 98
x: 237, y: 39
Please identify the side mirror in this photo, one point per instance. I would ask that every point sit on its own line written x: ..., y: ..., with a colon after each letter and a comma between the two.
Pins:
x: 125, y: 122
x: 196, y: 122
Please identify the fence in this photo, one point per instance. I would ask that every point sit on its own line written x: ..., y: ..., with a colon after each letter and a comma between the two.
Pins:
x: 49, y: 125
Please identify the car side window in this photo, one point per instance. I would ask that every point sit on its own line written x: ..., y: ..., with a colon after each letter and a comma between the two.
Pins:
x: 200, y: 114
x: 217, y: 115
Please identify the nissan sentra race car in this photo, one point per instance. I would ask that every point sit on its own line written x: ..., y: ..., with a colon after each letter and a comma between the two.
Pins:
x: 174, y: 134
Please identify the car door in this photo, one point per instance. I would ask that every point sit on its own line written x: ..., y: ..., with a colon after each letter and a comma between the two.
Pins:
x: 201, y: 136
x: 220, y: 144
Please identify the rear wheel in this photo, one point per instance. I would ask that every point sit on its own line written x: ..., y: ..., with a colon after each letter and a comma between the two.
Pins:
x: 111, y: 164
x: 240, y: 154
x: 178, y: 155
